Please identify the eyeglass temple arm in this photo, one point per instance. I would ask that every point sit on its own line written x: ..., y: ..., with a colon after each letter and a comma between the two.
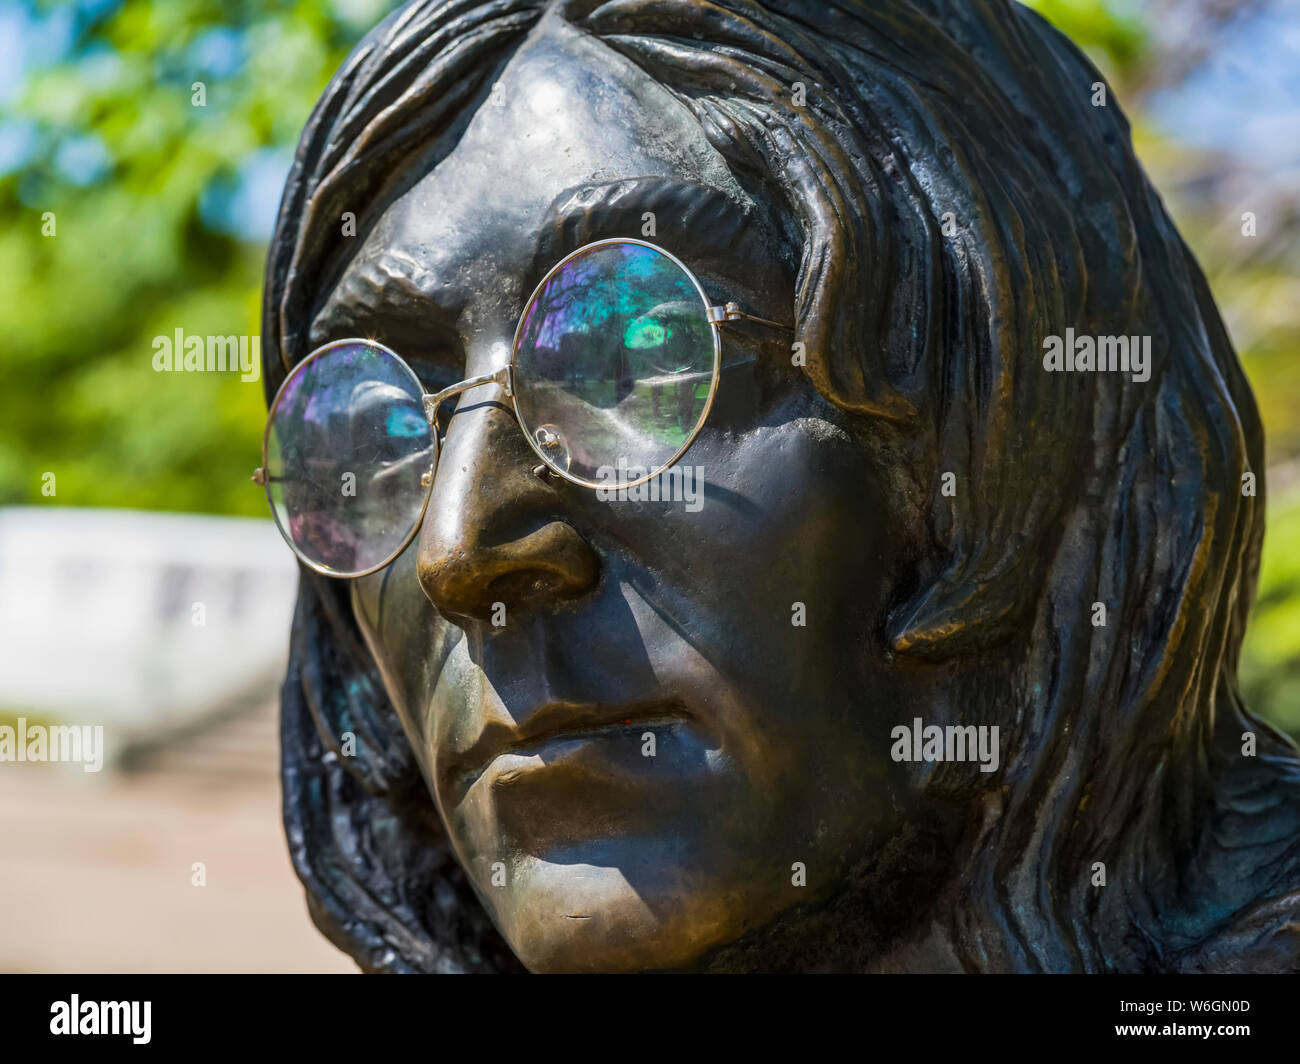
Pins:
x: 729, y: 312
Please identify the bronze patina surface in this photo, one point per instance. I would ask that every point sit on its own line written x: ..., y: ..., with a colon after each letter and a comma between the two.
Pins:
x: 909, y: 517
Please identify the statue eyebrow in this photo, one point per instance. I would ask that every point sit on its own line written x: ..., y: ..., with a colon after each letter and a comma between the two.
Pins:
x: 395, y: 298
x: 686, y: 216
x: 391, y: 299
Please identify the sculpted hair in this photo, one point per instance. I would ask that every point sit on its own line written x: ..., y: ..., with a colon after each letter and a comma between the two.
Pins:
x: 957, y: 199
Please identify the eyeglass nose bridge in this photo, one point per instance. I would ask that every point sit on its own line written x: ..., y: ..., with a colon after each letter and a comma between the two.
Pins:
x: 505, y: 377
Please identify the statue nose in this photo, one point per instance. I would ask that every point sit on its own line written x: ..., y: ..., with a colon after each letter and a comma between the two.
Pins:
x: 494, y: 531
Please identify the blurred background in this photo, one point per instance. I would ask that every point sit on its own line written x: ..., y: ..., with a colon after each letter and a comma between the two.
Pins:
x: 142, y: 586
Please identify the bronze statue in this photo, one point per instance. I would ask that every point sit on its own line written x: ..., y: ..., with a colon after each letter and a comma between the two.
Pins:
x: 938, y: 675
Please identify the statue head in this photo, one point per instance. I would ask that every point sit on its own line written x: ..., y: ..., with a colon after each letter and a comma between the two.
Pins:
x: 936, y: 670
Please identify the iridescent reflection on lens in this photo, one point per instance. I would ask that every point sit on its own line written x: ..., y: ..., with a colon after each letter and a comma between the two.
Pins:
x: 347, y: 445
x: 614, y: 363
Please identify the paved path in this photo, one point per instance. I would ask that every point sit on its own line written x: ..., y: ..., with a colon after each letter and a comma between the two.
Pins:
x: 95, y: 873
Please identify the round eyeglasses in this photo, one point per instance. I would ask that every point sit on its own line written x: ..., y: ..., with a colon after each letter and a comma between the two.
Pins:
x: 614, y: 367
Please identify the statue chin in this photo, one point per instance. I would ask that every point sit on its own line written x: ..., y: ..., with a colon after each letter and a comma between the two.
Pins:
x: 837, y: 696
x: 573, y: 919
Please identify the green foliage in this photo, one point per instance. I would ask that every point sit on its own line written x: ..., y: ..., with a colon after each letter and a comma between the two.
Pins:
x: 1270, y: 667
x: 135, y: 253
x: 1100, y: 27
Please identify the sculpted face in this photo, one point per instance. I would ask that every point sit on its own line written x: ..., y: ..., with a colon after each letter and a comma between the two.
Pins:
x: 624, y: 619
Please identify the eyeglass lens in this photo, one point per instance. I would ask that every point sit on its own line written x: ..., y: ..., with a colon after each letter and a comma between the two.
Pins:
x: 347, y: 446
x: 614, y: 363
x: 615, y: 366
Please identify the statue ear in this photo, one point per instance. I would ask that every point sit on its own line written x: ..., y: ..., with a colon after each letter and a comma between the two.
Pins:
x: 382, y: 881
x: 959, y: 613
x: 997, y: 520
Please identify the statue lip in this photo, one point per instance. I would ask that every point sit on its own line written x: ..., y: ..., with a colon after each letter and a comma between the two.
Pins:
x: 558, y: 721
